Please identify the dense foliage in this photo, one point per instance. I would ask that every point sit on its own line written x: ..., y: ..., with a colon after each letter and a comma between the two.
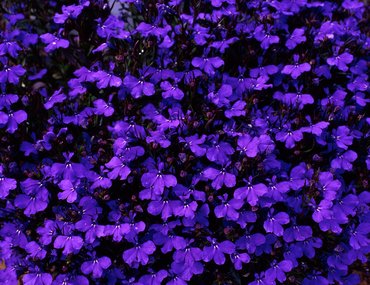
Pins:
x: 184, y: 142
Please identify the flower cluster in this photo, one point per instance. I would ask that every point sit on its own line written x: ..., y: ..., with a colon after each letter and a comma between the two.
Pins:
x: 184, y: 142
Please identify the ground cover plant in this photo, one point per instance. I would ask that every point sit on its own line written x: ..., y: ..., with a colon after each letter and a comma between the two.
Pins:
x: 184, y: 142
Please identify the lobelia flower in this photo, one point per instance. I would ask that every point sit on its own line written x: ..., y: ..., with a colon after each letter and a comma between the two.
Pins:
x: 248, y: 145
x: 344, y: 160
x: 71, y: 11
x: 194, y: 142
x: 169, y: 242
x: 9, y: 47
x: 297, y: 233
x: 188, y: 255
x: 47, y: 232
x: 70, y: 279
x: 69, y: 191
x: 35, y: 198
x: 358, y: 236
x: 6, y: 100
x: 53, y: 42
x: 315, y: 279
x: 328, y: 185
x: 35, y: 250
x: 276, y: 190
x: 91, y: 229
x: 57, y: 97
x: 342, y: 137
x: 289, y: 136
x: 263, y: 71
x: 68, y: 170
x: 238, y: 259
x: 220, y: 178
x: 12, y: 119
x: 6, y: 184
x: 156, y: 179
x: 296, y: 38
x: 300, y: 176
x: 118, y: 167
x: 250, y: 241
x: 261, y: 279
x: 265, y: 37
x: 219, y: 152
x: 11, y: 74
x: 37, y: 278
x: 138, y: 87
x: 208, y: 65
x: 172, y: 90
x: 296, y: 69
x: 236, y: 110
x: 229, y: 208
x: 216, y: 251
x: 96, y: 266
x: 184, y: 208
x: 340, y: 61
x: 278, y: 270
x: 250, y: 192
x: 107, y: 79
x: 273, y: 223
x: 321, y: 211
x: 69, y: 243
x: 154, y: 278
x: 139, y: 254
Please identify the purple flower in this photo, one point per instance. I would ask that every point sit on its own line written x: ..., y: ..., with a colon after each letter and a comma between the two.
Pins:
x: 216, y: 251
x: 68, y: 170
x: 37, y: 278
x: 207, y: 64
x: 358, y: 236
x: 248, y: 145
x: 328, y: 185
x: 35, y: 250
x: 238, y: 259
x: 278, y: 270
x: 139, y: 254
x: 295, y: 38
x: 229, y: 208
x: 105, y: 79
x: 265, y: 37
x: 12, y: 119
x: 344, y: 160
x: 69, y: 191
x: 157, y: 180
x: 35, y: 197
x: 6, y: 184
x: 289, y: 136
x: 219, y: 152
x: 251, y: 192
x: 71, y: 11
x: 154, y: 278
x: 53, y: 42
x: 96, y: 267
x: 9, y: 47
x: 342, y: 137
x: 171, y: 90
x: 57, y: 97
x: 273, y: 223
x: 296, y: 69
x: 69, y: 243
x: 297, y: 233
x: 194, y: 142
x: 138, y: 87
x: 340, y: 61
x: 118, y: 167
x: 11, y: 74
x: 219, y: 178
